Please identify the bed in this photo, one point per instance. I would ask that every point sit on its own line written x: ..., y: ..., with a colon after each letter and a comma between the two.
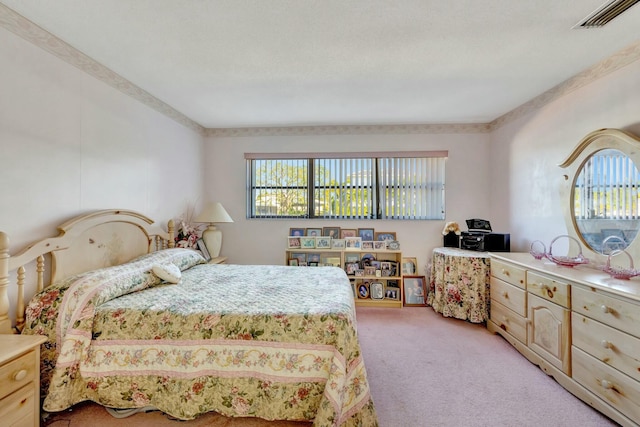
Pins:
x: 274, y: 342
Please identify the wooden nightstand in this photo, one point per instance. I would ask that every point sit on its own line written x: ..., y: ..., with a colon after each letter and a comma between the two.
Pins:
x: 218, y: 260
x: 20, y: 379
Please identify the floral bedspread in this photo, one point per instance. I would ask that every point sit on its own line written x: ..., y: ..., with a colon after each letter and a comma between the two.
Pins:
x: 275, y: 342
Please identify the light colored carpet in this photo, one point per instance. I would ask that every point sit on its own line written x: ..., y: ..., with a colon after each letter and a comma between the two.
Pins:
x: 424, y: 370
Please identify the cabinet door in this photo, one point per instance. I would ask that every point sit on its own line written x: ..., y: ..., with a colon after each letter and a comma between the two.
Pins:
x: 549, y: 328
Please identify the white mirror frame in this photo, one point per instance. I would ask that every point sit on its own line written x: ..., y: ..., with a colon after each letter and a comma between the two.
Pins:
x: 595, y: 141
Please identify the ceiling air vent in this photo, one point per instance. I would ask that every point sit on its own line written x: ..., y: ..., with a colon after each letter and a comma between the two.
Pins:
x: 605, y: 13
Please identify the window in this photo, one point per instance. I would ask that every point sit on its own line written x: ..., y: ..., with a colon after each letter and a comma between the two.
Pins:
x: 392, y: 185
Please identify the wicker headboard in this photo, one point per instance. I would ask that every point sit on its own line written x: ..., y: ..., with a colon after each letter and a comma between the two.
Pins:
x: 88, y: 242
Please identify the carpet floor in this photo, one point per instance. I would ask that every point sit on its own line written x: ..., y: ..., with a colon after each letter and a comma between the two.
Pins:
x: 424, y: 370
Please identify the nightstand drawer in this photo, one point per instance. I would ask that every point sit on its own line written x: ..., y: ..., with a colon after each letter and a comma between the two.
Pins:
x: 17, y: 409
x: 17, y: 373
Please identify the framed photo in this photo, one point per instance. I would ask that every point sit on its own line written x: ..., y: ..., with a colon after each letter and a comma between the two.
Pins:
x: 393, y: 245
x: 376, y: 290
x: 296, y: 232
x: 363, y: 290
x: 379, y: 245
x: 333, y: 232
x: 359, y: 273
x: 385, y: 235
x: 293, y: 261
x: 415, y: 291
x: 366, y: 233
x: 204, y: 250
x: 333, y: 261
x: 313, y: 258
x: 312, y: 264
x: 367, y: 245
x: 352, y: 258
x: 392, y: 293
x: 323, y: 242
x: 348, y: 232
x: 300, y: 256
x: 337, y: 243
x: 409, y: 266
x: 313, y: 232
x: 351, y: 267
x: 294, y: 242
x: 352, y: 243
x: 307, y: 242
x: 369, y: 271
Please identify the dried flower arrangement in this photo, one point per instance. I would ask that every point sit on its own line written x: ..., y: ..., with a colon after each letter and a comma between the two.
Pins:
x: 188, y: 233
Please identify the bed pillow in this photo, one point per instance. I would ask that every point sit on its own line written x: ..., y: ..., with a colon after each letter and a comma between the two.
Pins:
x: 167, y: 272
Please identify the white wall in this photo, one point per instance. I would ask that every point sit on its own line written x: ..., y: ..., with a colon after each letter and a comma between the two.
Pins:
x: 264, y: 241
x: 526, y: 152
x: 70, y: 144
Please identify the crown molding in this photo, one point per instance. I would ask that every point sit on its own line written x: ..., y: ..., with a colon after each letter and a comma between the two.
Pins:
x: 22, y: 27
x: 350, y: 130
x: 613, y: 63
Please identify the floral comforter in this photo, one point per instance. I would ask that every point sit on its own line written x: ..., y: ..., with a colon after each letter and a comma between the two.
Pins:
x: 274, y: 342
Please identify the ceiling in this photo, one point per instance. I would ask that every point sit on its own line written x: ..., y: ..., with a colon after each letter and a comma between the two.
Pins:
x: 259, y: 63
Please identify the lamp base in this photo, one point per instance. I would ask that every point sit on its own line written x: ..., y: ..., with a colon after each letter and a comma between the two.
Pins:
x: 213, y: 240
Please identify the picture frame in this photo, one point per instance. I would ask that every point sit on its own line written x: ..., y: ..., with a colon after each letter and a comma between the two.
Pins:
x: 307, y: 242
x: 409, y: 266
x: 313, y: 232
x: 332, y: 261
x: 393, y: 245
x: 385, y: 235
x: 415, y: 291
x: 367, y: 245
x: 366, y: 233
x: 300, y: 256
x: 348, y: 232
x: 333, y: 232
x: 363, y: 290
x: 359, y: 273
x: 337, y: 243
x: 392, y: 293
x: 379, y: 245
x: 376, y: 290
x: 296, y: 232
x: 369, y: 270
x: 352, y: 243
x: 351, y: 267
x: 293, y: 242
x: 293, y: 262
x: 323, y: 242
x: 313, y: 257
x: 203, y: 248
x: 352, y: 258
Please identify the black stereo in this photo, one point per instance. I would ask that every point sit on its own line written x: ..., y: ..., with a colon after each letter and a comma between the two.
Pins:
x: 481, y: 238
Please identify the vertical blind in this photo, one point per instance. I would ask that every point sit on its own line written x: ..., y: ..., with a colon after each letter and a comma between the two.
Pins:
x: 607, y: 187
x: 358, y: 186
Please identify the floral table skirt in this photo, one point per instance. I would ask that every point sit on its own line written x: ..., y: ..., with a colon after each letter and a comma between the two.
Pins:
x: 459, y: 284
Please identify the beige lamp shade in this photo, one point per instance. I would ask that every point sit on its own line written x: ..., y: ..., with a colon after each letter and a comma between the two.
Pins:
x: 212, y: 213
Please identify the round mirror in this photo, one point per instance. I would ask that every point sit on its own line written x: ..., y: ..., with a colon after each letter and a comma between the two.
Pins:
x: 605, y: 201
x: 600, y: 193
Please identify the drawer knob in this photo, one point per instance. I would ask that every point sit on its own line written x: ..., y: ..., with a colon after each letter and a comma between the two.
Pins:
x: 606, y: 309
x: 606, y: 384
x: 20, y: 375
x: 505, y: 272
x: 505, y: 294
x: 606, y: 344
x: 505, y: 320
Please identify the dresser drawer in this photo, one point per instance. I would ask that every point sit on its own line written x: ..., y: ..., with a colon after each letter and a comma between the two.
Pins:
x: 508, y: 272
x: 17, y: 373
x: 615, y: 388
x: 510, y: 296
x: 549, y: 289
x: 606, y: 344
x: 16, y: 410
x: 611, y: 311
x: 509, y: 321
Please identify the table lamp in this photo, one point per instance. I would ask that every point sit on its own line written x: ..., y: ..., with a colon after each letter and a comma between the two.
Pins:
x: 212, y: 213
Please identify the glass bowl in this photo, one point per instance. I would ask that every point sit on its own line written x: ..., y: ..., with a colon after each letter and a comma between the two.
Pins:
x: 567, y: 261
x: 618, y: 272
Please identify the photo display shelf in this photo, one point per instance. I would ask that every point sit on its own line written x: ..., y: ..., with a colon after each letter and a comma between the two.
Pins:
x: 375, y: 276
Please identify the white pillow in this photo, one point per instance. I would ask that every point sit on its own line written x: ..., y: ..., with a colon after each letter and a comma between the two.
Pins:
x: 167, y: 272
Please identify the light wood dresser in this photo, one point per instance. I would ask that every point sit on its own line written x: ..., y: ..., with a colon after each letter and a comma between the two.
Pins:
x: 578, y: 324
x: 20, y: 380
